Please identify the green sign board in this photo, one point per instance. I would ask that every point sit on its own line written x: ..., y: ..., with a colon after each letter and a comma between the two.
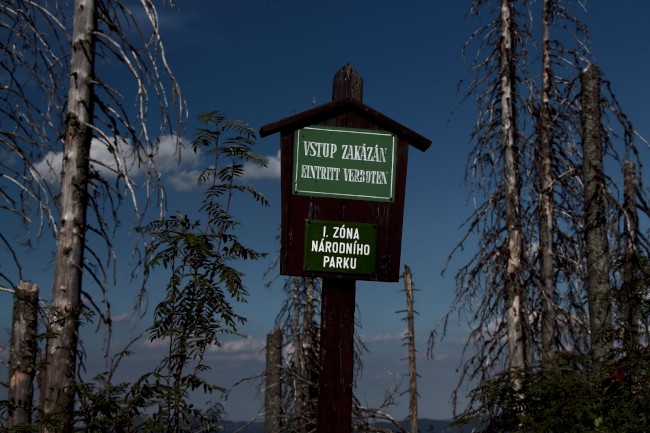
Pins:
x: 357, y: 164
x: 340, y: 247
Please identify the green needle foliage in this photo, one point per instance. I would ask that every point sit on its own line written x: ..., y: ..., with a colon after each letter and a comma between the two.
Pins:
x: 572, y: 396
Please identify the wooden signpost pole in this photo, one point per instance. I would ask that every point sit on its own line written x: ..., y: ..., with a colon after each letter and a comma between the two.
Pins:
x: 337, y: 315
x: 337, y: 354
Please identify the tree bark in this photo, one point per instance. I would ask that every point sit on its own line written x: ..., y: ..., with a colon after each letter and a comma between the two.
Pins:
x: 22, y: 357
x: 597, y: 250
x: 410, y: 320
x: 58, y: 389
x: 631, y: 292
x: 310, y: 358
x: 298, y: 362
x: 514, y: 266
x: 273, y: 389
x: 546, y: 223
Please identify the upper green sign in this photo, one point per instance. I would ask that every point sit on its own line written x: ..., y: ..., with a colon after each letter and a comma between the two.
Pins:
x: 357, y: 164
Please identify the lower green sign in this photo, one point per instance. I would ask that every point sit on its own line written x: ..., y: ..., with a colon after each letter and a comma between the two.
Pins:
x: 340, y: 247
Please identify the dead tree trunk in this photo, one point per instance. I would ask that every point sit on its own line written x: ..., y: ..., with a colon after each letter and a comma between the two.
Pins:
x: 544, y: 161
x: 597, y: 249
x: 22, y: 357
x: 631, y: 299
x: 410, y: 320
x: 514, y: 280
x: 310, y: 358
x: 298, y: 358
x: 58, y: 391
x: 273, y: 389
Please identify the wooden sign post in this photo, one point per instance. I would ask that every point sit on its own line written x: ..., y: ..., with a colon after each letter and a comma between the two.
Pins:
x: 343, y: 186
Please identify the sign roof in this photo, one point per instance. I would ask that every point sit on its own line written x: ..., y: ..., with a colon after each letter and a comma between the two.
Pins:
x: 332, y: 109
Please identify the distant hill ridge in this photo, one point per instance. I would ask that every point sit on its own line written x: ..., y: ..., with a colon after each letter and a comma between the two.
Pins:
x: 425, y: 425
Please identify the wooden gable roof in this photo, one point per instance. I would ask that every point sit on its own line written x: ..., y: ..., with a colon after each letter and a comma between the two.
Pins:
x: 333, y: 109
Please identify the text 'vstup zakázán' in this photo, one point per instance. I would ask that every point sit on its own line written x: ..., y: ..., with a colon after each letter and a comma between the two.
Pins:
x: 344, y: 163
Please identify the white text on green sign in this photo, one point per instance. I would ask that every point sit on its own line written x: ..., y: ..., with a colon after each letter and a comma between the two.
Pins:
x: 340, y: 247
x: 356, y: 164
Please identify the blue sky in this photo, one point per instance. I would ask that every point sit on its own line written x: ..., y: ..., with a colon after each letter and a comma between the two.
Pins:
x: 262, y: 60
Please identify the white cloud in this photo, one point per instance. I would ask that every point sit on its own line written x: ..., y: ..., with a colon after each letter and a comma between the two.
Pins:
x: 173, y: 158
x: 178, y: 165
x: 243, y: 349
x: 49, y: 168
x: 184, y: 180
x: 168, y: 158
x: 271, y: 171
x: 246, y: 349
x: 247, y: 344
x: 123, y: 318
x: 378, y: 338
